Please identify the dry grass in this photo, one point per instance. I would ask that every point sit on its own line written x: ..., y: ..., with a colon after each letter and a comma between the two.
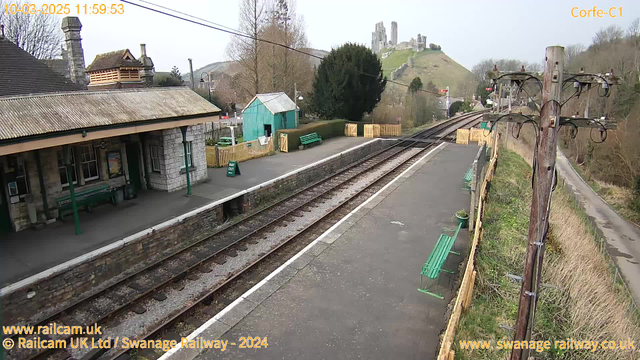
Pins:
x: 587, y: 305
x: 619, y: 198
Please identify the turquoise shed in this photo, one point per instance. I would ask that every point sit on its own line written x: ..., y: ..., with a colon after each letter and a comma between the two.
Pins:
x: 267, y: 113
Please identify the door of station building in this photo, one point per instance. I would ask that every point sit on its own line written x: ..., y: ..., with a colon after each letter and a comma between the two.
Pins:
x: 133, y: 162
x: 267, y: 130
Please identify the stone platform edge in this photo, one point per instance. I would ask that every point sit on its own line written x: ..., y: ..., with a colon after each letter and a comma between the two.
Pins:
x: 9, y: 289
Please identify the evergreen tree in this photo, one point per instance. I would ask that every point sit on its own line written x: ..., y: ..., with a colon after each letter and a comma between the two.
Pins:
x: 344, y: 86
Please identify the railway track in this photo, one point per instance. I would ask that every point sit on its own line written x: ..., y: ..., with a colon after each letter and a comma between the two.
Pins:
x: 176, y: 293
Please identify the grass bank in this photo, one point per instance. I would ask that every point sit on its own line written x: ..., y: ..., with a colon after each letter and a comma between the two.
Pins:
x: 583, y: 302
x: 620, y: 198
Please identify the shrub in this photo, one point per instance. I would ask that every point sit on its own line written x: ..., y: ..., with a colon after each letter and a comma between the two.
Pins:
x: 325, y: 128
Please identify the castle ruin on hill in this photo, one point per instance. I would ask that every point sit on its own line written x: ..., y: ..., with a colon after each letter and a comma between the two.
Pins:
x: 379, y: 40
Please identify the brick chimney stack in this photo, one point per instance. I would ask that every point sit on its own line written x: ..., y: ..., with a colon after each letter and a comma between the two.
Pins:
x: 75, y: 55
x: 146, y: 74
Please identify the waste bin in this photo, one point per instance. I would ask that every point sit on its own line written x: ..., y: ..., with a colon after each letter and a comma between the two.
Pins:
x: 119, y: 195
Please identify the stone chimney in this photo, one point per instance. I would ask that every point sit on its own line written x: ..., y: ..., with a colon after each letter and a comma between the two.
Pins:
x: 75, y: 55
x: 146, y: 74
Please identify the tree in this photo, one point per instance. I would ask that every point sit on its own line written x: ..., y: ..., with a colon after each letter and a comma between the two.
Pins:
x: 571, y: 53
x: 349, y: 83
x: 433, y: 46
x: 482, y: 92
x: 415, y: 86
x: 245, y: 51
x: 282, y: 68
x: 609, y: 34
x: 38, y: 34
x: 174, y: 78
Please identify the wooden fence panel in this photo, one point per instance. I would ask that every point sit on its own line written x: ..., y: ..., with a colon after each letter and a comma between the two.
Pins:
x: 390, y: 130
x: 351, y: 130
x: 462, y: 136
x: 284, y: 143
x: 241, y: 152
x: 371, y: 130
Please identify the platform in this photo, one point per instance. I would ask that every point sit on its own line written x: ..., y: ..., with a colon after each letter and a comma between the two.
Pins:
x: 353, y: 292
x: 29, y: 252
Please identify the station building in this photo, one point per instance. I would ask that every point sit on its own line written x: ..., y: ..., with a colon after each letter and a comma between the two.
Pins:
x: 117, y: 142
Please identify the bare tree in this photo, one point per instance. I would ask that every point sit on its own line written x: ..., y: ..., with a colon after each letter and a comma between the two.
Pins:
x: 571, y: 53
x: 480, y: 69
x: 633, y: 34
x: 246, y: 51
x: 609, y: 34
x: 38, y: 34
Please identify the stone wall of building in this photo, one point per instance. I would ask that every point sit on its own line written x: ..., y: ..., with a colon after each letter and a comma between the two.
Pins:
x: 174, y: 161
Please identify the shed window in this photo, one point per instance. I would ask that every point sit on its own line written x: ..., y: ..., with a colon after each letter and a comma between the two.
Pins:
x: 89, y: 162
x: 189, y: 155
x: 64, y: 181
x: 155, y: 157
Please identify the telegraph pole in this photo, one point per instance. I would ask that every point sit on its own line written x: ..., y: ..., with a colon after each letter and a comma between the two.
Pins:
x: 543, y: 181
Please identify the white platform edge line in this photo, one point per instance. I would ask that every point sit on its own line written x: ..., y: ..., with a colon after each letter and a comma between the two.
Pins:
x: 131, y: 238
x: 257, y: 286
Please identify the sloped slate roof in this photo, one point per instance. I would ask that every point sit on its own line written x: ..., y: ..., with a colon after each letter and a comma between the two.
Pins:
x: 113, y: 60
x: 23, y: 116
x: 276, y: 102
x: 21, y: 73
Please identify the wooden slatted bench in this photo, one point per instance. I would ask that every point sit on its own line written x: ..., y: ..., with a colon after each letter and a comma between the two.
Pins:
x: 467, y: 178
x: 310, y: 139
x: 86, y: 198
x: 433, y: 267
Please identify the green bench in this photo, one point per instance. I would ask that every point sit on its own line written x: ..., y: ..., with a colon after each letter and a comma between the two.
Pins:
x: 433, y: 267
x: 310, y: 139
x: 86, y: 198
x: 467, y: 178
x: 225, y: 141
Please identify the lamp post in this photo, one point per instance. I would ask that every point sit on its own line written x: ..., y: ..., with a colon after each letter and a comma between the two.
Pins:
x: 208, y: 82
x: 296, y: 97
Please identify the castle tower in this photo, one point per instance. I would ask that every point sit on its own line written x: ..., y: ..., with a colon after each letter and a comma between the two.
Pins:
x: 394, y: 33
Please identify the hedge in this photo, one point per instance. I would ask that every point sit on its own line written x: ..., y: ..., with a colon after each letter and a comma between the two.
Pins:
x: 325, y: 128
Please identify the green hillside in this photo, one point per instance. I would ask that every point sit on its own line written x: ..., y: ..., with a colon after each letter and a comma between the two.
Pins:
x: 434, y: 66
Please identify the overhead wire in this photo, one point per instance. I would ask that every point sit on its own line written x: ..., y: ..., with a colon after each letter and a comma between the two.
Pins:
x: 235, y: 32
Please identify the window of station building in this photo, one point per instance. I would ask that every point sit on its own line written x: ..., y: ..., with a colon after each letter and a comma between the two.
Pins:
x: 189, y: 155
x: 21, y: 180
x: 89, y: 163
x: 63, y: 169
x: 154, y: 150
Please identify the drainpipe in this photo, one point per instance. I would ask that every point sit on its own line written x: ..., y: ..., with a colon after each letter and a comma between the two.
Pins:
x: 186, y: 157
x: 43, y: 188
x: 66, y: 154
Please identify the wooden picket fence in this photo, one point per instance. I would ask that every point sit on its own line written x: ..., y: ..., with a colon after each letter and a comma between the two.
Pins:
x: 220, y: 156
x: 465, y: 294
x: 377, y: 130
x: 390, y: 130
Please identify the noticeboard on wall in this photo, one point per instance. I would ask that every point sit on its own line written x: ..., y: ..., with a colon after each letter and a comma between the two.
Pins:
x: 114, y: 164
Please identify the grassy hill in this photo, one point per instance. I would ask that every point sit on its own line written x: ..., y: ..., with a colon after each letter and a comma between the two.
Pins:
x: 434, y: 66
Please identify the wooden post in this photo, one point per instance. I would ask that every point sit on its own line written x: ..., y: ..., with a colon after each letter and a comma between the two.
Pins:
x: 543, y: 178
x: 469, y: 293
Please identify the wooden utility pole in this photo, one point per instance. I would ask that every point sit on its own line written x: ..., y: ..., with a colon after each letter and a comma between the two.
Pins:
x: 543, y: 181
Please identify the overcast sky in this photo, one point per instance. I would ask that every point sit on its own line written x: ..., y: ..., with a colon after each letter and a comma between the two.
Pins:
x: 468, y: 31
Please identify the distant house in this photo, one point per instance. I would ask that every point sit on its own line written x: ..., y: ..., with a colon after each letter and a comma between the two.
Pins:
x: 267, y: 113
x: 120, y: 69
x: 113, y: 139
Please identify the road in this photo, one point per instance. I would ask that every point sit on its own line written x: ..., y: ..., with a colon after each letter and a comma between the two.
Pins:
x: 622, y: 237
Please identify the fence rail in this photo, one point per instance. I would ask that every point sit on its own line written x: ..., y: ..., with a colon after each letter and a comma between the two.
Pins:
x: 220, y: 156
x: 465, y: 294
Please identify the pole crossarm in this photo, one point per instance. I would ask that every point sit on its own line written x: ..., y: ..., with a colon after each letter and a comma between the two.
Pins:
x: 600, y: 123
